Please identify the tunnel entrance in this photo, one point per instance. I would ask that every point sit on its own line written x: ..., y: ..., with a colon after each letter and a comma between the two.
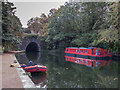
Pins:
x: 32, y: 47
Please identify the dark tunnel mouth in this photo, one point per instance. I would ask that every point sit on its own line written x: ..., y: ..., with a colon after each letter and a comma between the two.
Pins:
x: 32, y: 47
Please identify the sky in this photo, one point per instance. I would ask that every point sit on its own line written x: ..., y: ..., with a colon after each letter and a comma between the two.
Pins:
x: 26, y: 9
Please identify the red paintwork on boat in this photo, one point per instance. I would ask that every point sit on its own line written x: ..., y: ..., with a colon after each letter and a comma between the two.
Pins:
x: 35, y: 68
x: 88, y: 62
x: 91, y: 51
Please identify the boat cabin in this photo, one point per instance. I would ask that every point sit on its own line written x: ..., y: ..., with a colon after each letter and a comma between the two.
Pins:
x: 91, y: 51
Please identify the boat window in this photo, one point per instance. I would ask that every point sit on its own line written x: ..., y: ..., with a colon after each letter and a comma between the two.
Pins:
x: 99, y: 53
x: 86, y: 62
x: 86, y: 51
x: 82, y: 61
x: 99, y: 62
x: 81, y: 51
x: 96, y: 52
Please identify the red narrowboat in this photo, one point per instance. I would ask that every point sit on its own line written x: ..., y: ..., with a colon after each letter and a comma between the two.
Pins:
x: 88, y: 53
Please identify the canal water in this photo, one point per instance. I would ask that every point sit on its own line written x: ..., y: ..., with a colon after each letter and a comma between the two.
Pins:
x: 66, y: 74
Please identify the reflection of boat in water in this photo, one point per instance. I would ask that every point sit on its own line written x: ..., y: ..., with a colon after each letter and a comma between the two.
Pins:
x: 88, y: 53
x: 39, y: 79
x: 88, y: 62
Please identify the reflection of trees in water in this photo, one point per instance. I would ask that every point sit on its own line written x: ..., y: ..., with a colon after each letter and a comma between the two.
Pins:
x: 33, y: 56
x: 39, y: 79
x: 71, y: 75
x: 64, y: 74
x: 81, y: 76
x: 108, y: 75
x: 24, y: 58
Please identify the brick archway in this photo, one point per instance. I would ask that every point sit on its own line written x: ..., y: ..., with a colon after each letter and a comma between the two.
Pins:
x: 30, y: 44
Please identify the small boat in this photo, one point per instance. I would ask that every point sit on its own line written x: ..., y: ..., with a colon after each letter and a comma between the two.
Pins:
x: 34, y: 68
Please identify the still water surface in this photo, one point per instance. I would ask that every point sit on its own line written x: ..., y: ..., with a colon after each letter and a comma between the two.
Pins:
x: 66, y: 74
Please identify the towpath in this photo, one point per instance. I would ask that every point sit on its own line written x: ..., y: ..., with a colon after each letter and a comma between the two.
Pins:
x: 10, y: 77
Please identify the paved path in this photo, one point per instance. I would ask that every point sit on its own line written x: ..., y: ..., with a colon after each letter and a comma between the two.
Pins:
x: 10, y: 77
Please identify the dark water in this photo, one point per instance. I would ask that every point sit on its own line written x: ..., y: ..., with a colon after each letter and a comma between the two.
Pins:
x: 65, y: 74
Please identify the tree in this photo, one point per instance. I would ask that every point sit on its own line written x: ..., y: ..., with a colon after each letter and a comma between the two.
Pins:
x: 76, y: 23
x: 63, y: 25
x: 11, y: 27
x: 110, y: 35
x: 38, y: 24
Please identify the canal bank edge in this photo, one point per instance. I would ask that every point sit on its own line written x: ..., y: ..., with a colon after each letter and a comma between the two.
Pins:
x: 0, y: 71
x: 26, y: 81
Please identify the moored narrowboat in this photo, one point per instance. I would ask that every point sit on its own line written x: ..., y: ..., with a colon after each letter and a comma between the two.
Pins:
x: 88, y: 53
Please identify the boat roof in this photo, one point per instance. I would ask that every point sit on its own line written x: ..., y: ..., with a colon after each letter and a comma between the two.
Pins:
x: 81, y: 47
x: 84, y: 48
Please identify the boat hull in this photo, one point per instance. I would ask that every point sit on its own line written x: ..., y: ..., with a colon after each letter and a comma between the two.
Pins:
x: 36, y: 68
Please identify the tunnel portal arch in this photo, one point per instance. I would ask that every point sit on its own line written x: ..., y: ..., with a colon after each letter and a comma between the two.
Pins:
x: 30, y: 44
